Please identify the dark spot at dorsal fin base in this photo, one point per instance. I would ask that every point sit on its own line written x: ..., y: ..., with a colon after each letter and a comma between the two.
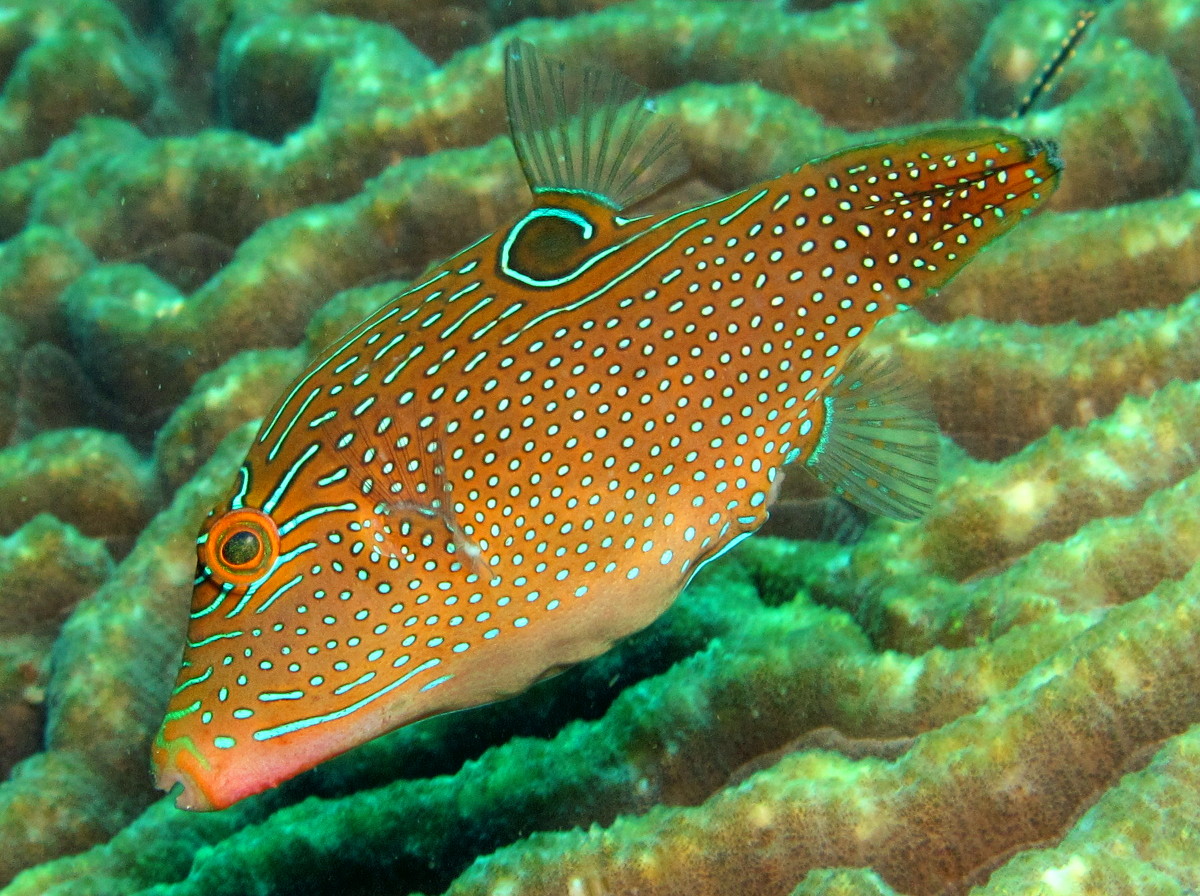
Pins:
x: 548, y: 245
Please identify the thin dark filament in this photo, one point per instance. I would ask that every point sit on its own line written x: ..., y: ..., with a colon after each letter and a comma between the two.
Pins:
x: 1055, y: 66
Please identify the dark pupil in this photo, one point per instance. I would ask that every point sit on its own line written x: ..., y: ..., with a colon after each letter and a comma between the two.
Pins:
x: 240, y: 548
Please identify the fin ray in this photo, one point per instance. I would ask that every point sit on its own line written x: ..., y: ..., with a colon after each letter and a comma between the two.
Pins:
x: 879, y: 444
x: 586, y: 129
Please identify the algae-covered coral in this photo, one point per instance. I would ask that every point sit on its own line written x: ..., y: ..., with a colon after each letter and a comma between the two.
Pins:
x: 1003, y: 695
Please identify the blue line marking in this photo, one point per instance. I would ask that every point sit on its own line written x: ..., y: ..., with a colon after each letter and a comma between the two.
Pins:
x: 749, y: 202
x: 282, y: 589
x: 301, y: 724
x: 281, y: 489
x: 226, y: 587
x: 196, y: 680
x: 307, y: 515
x: 395, y: 372
x: 291, y: 423
x: 279, y: 561
x: 336, y: 476
x: 506, y: 313
x: 324, y: 418
x: 585, y: 227
x: 362, y: 679
x: 474, y: 309
x: 211, y: 638
x: 239, y: 499
x: 433, y: 684
x: 396, y: 340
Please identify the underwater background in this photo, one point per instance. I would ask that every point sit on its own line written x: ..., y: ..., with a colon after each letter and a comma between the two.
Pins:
x: 1003, y: 697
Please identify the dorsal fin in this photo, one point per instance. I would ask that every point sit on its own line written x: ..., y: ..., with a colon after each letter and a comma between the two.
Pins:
x: 879, y: 445
x: 586, y: 129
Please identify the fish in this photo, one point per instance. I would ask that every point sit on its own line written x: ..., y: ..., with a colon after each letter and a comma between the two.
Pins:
x: 526, y: 455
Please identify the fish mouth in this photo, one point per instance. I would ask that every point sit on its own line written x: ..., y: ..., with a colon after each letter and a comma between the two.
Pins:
x: 192, y: 797
x: 176, y: 763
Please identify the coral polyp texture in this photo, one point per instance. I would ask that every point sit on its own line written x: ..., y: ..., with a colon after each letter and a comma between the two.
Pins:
x: 1001, y: 698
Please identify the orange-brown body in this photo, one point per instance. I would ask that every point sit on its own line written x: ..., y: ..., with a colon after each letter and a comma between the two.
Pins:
x: 526, y: 456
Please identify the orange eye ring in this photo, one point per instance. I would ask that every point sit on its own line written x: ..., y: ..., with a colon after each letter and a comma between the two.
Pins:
x: 240, y: 547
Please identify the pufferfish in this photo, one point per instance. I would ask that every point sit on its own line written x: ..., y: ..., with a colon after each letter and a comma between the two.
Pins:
x: 526, y: 455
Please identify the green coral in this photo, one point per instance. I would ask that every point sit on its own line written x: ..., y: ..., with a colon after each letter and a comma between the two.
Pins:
x: 46, y: 569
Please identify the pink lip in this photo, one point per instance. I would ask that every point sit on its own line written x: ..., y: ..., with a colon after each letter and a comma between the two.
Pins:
x: 180, y: 765
x: 191, y: 797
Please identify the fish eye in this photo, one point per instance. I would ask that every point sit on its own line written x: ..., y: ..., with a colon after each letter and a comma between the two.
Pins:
x: 239, y: 548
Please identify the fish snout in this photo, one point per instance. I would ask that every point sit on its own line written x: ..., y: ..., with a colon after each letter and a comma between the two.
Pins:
x: 176, y: 762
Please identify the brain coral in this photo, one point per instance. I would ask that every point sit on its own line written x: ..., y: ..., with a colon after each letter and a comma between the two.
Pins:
x: 1002, y: 698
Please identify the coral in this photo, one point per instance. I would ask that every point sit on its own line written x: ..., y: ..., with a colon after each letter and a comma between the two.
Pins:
x: 1002, y: 695
x: 63, y: 63
x: 240, y: 390
x: 91, y: 479
x: 88, y: 782
x: 46, y: 568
